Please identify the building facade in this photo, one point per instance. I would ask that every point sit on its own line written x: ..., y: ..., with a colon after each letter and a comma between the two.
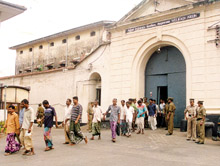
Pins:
x: 159, y: 49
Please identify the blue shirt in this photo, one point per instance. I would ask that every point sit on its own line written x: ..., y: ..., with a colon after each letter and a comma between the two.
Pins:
x: 140, y: 110
x: 21, y: 116
x: 152, y: 109
x: 49, y: 113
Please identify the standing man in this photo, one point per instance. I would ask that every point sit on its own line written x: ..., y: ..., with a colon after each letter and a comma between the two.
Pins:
x: 190, y: 115
x: 21, y: 116
x: 146, y: 115
x: 152, y: 111
x: 96, y: 122
x: 141, y: 110
x: 27, y: 128
x: 12, y: 126
x: 49, y: 113
x: 135, y: 110
x: 66, y: 121
x: 114, y: 117
x: 40, y: 115
x: 122, y: 118
x: 76, y: 136
x: 170, y: 115
x: 200, y: 127
x: 90, y: 116
x: 161, y: 114
x: 129, y: 117
x: 165, y: 112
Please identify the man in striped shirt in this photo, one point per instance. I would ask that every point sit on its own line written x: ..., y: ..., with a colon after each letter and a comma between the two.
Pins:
x: 76, y: 136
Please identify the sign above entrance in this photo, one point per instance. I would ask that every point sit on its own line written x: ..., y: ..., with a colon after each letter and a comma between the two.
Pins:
x: 165, y: 22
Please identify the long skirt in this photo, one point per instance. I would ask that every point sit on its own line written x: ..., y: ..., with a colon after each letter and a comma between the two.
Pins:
x: 12, y: 146
x: 47, y: 137
x: 76, y: 135
x: 96, y: 129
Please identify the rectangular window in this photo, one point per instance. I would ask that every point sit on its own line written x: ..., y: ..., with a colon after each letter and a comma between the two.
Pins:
x: 30, y: 49
x: 52, y: 44
x: 64, y: 41
x: 21, y: 52
x: 77, y: 37
x: 40, y: 47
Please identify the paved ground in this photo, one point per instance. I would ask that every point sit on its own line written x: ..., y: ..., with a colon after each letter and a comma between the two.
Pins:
x: 152, y: 148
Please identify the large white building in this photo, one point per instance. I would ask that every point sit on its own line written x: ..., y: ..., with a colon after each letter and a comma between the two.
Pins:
x: 158, y: 49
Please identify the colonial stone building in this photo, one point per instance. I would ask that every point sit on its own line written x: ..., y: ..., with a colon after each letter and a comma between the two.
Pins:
x: 159, y: 49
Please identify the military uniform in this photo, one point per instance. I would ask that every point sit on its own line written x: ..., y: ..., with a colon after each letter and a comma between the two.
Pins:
x: 191, y: 122
x: 40, y: 115
x: 165, y: 112
x: 200, y: 127
x: 90, y: 115
x: 171, y: 111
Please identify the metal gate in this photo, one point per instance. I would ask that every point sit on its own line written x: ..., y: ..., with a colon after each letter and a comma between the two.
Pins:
x: 167, y: 70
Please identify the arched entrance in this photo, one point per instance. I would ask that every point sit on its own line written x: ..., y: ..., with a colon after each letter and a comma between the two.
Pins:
x: 165, y: 76
x: 95, y: 87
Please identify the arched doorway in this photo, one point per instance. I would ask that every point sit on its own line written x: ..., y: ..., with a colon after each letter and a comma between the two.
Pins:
x: 95, y: 87
x: 165, y: 76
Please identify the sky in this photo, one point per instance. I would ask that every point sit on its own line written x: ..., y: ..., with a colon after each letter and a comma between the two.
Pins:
x: 45, y: 17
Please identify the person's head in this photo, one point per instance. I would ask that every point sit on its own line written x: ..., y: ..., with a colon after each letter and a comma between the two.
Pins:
x: 96, y: 102
x: 139, y: 102
x: 151, y: 101
x: 40, y: 105
x: 135, y: 100
x: 154, y: 101
x: 25, y: 103
x: 68, y: 102
x: 11, y: 109
x: 200, y: 103
x: 92, y: 104
x: 130, y: 100
x: 122, y: 102
x: 170, y: 100
x: 114, y: 101
x: 46, y: 104
x: 191, y: 102
x: 128, y: 104
x: 75, y: 100
x: 141, y: 99
x: 161, y: 100
x: 145, y: 99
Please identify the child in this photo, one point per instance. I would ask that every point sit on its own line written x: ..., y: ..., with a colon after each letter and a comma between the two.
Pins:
x: 12, y: 126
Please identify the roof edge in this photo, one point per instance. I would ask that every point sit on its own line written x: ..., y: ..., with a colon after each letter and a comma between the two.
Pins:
x: 63, y: 33
x: 13, y: 5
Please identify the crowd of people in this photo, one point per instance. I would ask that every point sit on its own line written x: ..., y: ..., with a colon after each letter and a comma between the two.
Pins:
x: 129, y: 117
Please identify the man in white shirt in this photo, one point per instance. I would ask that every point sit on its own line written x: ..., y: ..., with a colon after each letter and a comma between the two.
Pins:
x: 27, y: 128
x: 96, y: 121
x: 122, y: 118
x: 129, y: 114
x: 67, y: 116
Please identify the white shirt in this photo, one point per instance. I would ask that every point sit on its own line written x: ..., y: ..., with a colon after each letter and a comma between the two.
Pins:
x: 162, y: 105
x: 123, y: 112
x: 129, y: 114
x: 97, y: 114
x: 28, y: 118
x: 67, y: 114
